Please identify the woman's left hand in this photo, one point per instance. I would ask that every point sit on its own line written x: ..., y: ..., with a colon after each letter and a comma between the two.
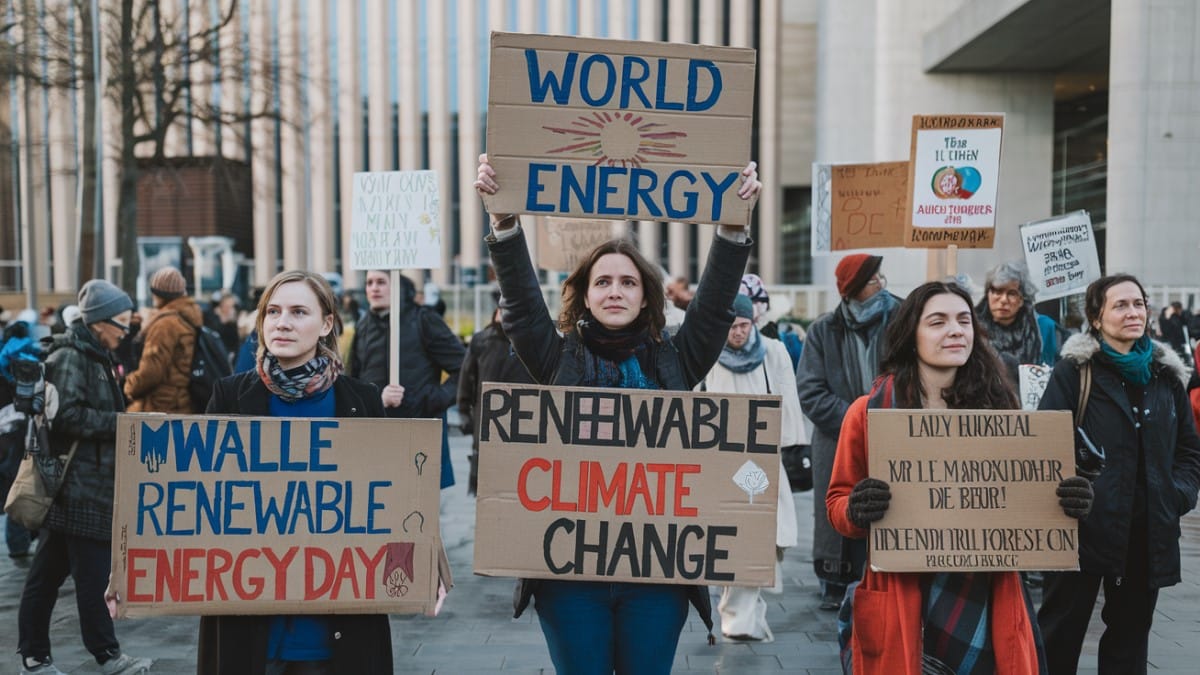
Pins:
x: 1075, y: 496
x: 750, y: 185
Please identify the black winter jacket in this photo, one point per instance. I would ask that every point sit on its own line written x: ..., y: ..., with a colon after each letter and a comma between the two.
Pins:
x: 489, y: 359
x: 1163, y: 433
x: 553, y: 359
x: 428, y: 347
x: 237, y: 645
x: 89, y: 399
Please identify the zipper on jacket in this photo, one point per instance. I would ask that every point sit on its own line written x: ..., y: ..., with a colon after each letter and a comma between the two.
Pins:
x: 1117, y: 581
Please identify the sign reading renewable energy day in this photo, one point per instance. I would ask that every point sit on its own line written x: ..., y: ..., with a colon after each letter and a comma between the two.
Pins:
x: 618, y: 129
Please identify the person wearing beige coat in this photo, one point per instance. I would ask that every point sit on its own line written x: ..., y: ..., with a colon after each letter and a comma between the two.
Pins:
x: 160, y: 383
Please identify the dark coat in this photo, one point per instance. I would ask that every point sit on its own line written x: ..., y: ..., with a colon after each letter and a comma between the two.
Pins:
x: 237, y: 645
x: 160, y: 383
x: 552, y: 359
x: 1163, y: 438
x: 428, y: 347
x: 89, y: 399
x: 489, y: 359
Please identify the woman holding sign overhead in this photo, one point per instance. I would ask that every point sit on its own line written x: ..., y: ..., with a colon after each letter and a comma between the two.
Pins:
x: 1137, y: 437
x: 298, y: 374
x: 612, y: 335
x: 939, y: 622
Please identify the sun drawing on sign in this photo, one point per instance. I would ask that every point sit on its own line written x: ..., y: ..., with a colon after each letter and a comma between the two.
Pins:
x: 618, y: 138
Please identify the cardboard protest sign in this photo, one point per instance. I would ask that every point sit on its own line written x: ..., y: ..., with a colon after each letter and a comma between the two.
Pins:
x: 563, y: 242
x: 972, y: 490
x: 1061, y: 254
x: 954, y: 176
x: 1034, y: 379
x: 245, y: 515
x: 394, y: 221
x: 618, y: 129
x: 627, y: 485
x: 870, y: 202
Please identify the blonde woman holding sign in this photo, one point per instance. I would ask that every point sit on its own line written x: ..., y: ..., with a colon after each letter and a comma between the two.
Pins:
x: 610, y: 333
x: 298, y: 373
x: 944, y: 622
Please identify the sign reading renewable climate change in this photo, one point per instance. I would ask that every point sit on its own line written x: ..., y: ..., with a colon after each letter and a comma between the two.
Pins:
x: 618, y: 129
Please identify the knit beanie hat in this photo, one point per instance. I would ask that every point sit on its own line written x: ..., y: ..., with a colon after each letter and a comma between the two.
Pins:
x: 743, y: 308
x: 854, y: 271
x: 100, y: 300
x: 168, y: 283
x: 754, y: 288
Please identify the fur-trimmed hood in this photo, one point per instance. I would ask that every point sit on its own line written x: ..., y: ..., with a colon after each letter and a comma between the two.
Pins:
x: 1081, y: 347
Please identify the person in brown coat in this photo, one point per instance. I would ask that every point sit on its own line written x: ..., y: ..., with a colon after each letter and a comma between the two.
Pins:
x: 160, y: 383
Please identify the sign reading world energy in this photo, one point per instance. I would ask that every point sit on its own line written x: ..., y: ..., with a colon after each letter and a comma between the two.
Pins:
x: 618, y: 129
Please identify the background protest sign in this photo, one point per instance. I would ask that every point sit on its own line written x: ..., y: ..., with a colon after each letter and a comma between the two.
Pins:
x: 563, y: 242
x: 972, y: 490
x: 627, y: 485
x: 858, y: 206
x: 394, y: 221
x: 618, y: 129
x: 245, y: 515
x: 954, y: 176
x: 1061, y: 254
x: 1034, y: 378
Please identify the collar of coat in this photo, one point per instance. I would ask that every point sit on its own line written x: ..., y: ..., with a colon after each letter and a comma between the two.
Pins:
x: 1081, y: 347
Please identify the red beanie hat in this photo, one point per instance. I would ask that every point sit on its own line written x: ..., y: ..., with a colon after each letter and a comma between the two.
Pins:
x: 854, y: 271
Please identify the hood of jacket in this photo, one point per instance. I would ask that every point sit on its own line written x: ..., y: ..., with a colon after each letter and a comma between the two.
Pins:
x: 1081, y: 347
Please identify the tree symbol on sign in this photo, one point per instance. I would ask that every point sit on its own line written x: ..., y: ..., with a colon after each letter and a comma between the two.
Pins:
x: 751, y: 479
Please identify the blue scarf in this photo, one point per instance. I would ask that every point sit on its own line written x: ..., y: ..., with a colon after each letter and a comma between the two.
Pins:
x: 1134, y: 366
x: 746, y: 359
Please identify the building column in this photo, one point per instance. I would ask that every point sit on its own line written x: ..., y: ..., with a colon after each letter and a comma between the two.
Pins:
x: 470, y: 144
x: 293, y: 160
x: 321, y: 168
x: 350, y: 130
x: 63, y: 169
x: 678, y: 234
x: 262, y: 138
x: 770, y: 202
x: 649, y: 236
x: 379, y: 99
x: 711, y: 21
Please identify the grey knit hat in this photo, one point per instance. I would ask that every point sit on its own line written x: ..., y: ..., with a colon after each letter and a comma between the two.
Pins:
x: 100, y: 300
x: 743, y: 307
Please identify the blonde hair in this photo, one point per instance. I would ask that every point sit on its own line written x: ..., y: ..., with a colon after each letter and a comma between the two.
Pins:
x: 328, y: 344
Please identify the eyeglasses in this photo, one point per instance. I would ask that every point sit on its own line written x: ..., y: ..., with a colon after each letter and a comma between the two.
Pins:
x: 878, y: 280
x: 124, y: 328
x: 1009, y: 294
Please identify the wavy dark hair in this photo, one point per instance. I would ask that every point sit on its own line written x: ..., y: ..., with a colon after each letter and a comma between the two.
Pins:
x: 574, y: 289
x: 1093, y: 300
x: 981, y: 382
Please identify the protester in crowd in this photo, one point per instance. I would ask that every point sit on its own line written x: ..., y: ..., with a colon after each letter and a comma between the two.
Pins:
x: 160, y: 384
x: 223, y: 318
x: 839, y: 362
x: 751, y: 363
x: 77, y: 533
x: 17, y: 344
x: 428, y: 348
x: 1139, y: 416
x: 298, y: 374
x: 1006, y: 313
x: 680, y: 293
x: 489, y: 359
x: 1173, y: 327
x: 612, y: 335
x: 753, y: 287
x: 937, y: 622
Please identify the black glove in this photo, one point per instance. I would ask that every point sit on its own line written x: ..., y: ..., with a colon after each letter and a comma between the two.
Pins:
x: 1075, y: 496
x: 869, y: 501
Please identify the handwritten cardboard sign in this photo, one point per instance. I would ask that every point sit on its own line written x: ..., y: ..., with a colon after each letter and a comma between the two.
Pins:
x: 869, y: 203
x: 954, y: 177
x: 564, y: 242
x: 1061, y: 254
x: 394, y: 221
x: 244, y: 515
x: 972, y: 490
x: 627, y: 485
x: 618, y: 129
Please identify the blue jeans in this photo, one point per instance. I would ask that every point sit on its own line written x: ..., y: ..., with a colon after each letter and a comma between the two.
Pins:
x: 87, y: 561
x: 601, y: 627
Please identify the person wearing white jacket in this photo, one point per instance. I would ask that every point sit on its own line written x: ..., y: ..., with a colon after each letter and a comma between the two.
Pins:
x: 751, y: 363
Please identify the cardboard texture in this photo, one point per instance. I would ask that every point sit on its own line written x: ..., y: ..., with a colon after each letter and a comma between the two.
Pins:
x: 618, y: 129
x: 954, y: 177
x: 1061, y: 254
x: 243, y: 515
x: 972, y: 490
x: 394, y: 221
x: 627, y: 485
x: 563, y: 242
x: 870, y: 203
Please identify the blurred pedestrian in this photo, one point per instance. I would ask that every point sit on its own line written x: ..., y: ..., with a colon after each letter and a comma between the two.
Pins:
x: 160, y: 383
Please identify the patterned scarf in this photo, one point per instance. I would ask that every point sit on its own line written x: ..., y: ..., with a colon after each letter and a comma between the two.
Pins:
x: 1021, y: 339
x: 617, y: 358
x: 748, y: 357
x: 312, y: 377
x: 1134, y: 366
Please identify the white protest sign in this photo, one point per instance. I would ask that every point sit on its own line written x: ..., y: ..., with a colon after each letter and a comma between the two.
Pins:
x: 954, y: 179
x: 1061, y: 254
x: 1034, y: 378
x: 394, y: 222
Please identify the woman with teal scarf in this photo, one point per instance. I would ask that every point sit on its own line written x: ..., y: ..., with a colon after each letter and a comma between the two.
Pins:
x: 1139, y: 418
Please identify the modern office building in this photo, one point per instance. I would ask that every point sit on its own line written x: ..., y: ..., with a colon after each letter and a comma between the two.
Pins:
x: 1101, y: 98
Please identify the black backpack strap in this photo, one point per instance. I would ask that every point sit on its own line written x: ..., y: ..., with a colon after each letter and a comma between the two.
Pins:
x: 1085, y: 391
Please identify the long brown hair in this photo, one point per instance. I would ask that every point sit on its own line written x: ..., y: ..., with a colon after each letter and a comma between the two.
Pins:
x: 328, y: 344
x: 981, y: 382
x: 575, y: 288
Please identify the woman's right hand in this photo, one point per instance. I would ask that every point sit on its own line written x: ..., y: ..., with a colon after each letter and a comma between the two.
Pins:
x: 869, y: 501
x: 485, y: 184
x: 392, y: 395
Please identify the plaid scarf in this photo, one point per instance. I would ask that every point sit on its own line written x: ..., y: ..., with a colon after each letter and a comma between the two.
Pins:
x: 957, y: 622
x: 312, y: 377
